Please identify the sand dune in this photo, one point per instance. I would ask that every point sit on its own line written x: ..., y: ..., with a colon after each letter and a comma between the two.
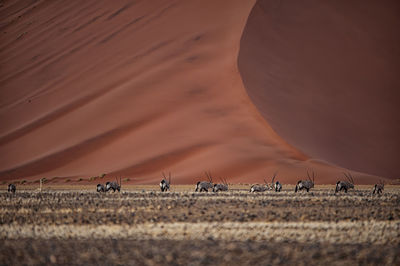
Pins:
x: 325, y: 75
x: 134, y: 88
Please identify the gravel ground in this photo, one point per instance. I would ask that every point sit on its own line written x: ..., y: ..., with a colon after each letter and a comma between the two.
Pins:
x: 192, y: 252
x: 235, y: 228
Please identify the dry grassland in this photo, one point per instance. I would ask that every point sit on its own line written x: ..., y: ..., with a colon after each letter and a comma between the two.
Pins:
x: 142, y: 226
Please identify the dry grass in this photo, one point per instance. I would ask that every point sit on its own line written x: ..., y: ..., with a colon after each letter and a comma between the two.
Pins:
x: 143, y: 226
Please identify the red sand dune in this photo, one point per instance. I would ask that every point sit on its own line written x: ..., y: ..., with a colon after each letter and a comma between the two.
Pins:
x: 135, y: 88
x: 325, y: 75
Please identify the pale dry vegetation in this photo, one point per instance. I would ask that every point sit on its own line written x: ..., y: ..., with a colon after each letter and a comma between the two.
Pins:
x: 182, y: 227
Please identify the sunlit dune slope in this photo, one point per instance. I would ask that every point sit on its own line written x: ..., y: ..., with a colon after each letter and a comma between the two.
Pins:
x: 325, y: 76
x: 134, y: 89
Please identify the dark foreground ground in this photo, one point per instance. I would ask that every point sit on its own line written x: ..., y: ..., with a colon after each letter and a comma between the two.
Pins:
x: 185, y: 228
x: 193, y: 252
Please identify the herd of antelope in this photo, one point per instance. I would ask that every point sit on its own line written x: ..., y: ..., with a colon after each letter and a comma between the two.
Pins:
x: 204, y: 186
x: 304, y: 184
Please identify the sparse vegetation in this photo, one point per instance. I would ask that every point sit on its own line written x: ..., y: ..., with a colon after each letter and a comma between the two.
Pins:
x: 319, y: 227
x: 93, y: 178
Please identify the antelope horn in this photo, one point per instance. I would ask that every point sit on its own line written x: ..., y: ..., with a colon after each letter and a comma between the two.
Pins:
x: 346, y: 176
x: 273, y: 178
x: 169, y: 178
x: 208, y: 176
x: 352, y: 180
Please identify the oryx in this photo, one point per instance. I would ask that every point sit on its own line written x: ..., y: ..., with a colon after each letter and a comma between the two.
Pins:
x: 114, y: 185
x: 164, y: 184
x: 221, y: 187
x: 378, y: 188
x: 260, y: 188
x: 11, y: 188
x: 306, y: 184
x: 277, y: 186
x: 345, y: 185
x: 204, y: 185
x: 100, y: 188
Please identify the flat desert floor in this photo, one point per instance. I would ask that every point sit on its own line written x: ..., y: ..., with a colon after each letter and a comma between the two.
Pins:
x: 142, y: 226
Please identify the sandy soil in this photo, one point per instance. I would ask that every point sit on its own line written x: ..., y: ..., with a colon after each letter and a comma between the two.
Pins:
x: 237, y: 227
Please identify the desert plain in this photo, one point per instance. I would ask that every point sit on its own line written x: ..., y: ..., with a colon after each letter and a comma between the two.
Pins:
x: 143, y: 226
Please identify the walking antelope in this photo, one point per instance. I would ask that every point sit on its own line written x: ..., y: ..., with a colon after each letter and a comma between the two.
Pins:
x: 204, y: 185
x: 277, y: 186
x: 11, y: 188
x: 114, y: 185
x: 221, y: 187
x: 259, y: 188
x: 306, y: 184
x: 345, y: 185
x: 100, y: 188
x: 378, y: 188
x: 164, y: 184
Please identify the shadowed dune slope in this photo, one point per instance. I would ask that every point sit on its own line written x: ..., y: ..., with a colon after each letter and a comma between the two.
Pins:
x: 133, y: 88
x: 325, y: 75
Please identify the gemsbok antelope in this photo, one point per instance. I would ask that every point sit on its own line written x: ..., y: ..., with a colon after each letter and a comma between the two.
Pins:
x: 221, y: 187
x: 345, y: 185
x: 277, y: 186
x: 164, y: 184
x: 378, y: 188
x: 11, y: 188
x: 306, y: 184
x: 204, y: 185
x: 114, y: 185
x: 100, y: 188
x: 260, y: 188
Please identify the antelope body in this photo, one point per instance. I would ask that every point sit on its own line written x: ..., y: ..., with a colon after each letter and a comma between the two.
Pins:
x: 277, y: 186
x: 11, y: 188
x: 100, y: 188
x: 378, y: 188
x: 114, y: 186
x: 221, y: 187
x: 345, y: 185
x: 204, y: 185
x: 305, y: 184
x: 258, y: 188
x: 164, y: 184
